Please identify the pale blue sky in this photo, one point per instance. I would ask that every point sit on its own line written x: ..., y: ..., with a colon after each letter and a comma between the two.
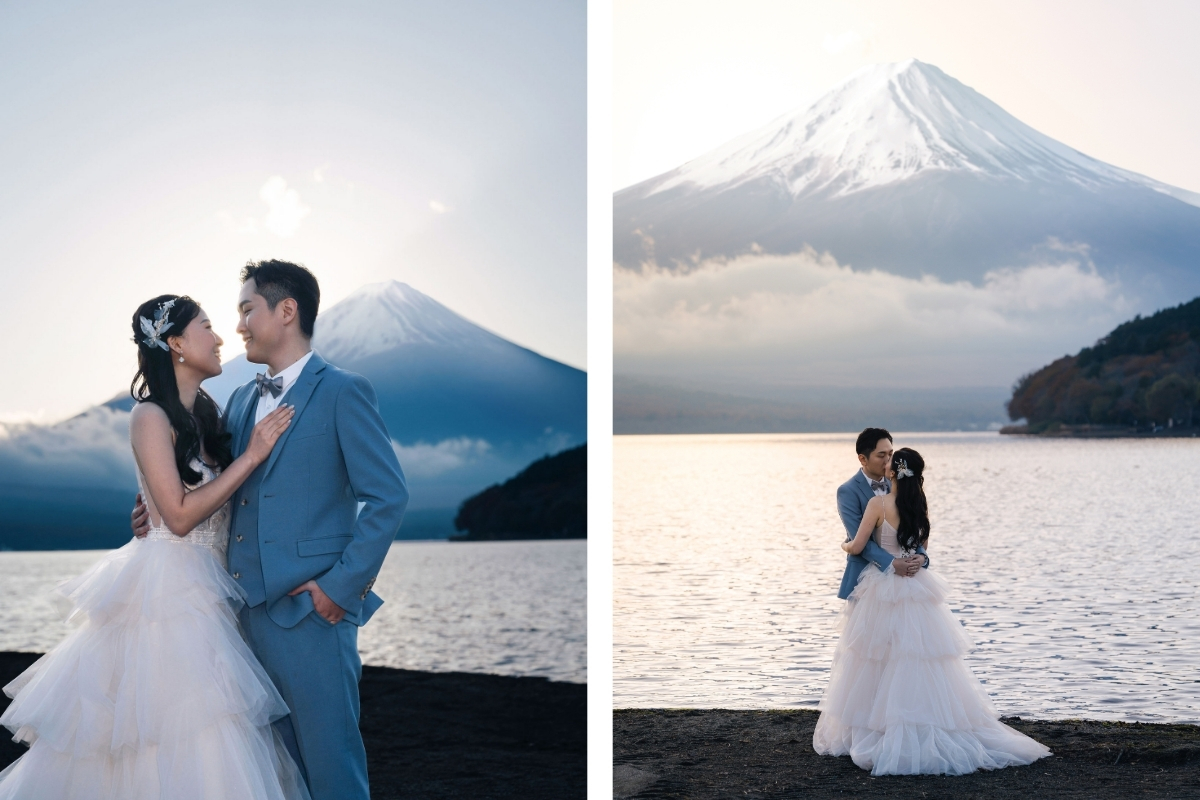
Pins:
x: 153, y: 148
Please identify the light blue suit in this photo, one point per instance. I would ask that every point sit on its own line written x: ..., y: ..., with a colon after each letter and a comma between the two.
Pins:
x: 852, y: 499
x: 295, y: 519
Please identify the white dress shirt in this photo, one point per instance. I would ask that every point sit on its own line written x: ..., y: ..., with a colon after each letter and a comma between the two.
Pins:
x: 267, y: 403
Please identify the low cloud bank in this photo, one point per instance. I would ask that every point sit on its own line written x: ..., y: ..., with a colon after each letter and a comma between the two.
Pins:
x: 820, y: 321
x: 423, y: 460
x: 88, y: 451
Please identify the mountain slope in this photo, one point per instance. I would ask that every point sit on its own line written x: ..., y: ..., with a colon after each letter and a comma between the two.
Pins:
x: 465, y: 408
x: 902, y: 168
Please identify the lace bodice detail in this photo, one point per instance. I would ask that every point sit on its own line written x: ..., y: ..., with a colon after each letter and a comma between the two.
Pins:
x: 212, y: 533
x: 885, y: 537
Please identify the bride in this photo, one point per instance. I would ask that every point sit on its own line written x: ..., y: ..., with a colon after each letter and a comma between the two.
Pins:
x: 154, y: 694
x: 900, y: 699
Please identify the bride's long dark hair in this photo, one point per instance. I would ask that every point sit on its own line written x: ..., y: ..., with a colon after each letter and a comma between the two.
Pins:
x: 910, y: 499
x: 155, y: 383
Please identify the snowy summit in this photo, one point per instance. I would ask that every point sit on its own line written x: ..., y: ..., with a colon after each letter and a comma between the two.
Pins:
x: 379, y: 317
x: 891, y: 122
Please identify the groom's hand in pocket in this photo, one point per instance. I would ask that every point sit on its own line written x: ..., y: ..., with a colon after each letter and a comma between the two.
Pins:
x: 330, y: 611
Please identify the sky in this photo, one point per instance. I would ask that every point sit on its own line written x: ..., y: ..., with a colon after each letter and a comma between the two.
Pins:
x: 1114, y: 80
x: 151, y: 148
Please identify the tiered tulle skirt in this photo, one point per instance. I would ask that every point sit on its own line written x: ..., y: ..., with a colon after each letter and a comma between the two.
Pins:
x: 153, y: 694
x: 901, y: 700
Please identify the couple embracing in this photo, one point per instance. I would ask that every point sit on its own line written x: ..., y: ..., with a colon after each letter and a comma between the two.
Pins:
x: 215, y: 655
x: 900, y: 699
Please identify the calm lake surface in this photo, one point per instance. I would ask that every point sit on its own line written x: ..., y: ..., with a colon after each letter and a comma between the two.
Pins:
x: 506, y: 608
x: 1075, y: 567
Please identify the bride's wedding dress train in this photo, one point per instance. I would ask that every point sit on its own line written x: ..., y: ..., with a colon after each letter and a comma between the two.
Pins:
x: 154, y: 693
x: 900, y: 699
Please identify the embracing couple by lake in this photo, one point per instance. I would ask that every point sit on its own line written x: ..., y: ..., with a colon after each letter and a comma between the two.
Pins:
x: 900, y: 698
x: 215, y: 655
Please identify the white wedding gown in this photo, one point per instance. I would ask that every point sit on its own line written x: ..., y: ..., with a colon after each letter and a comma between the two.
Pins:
x: 900, y: 699
x: 153, y: 695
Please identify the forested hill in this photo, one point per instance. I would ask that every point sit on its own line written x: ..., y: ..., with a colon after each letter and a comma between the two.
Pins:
x: 547, y: 500
x: 1143, y: 374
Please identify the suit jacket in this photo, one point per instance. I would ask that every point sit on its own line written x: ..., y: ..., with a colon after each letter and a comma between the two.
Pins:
x: 852, y: 499
x: 297, y: 516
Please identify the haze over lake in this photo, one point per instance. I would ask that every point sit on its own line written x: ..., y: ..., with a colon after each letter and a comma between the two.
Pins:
x: 1074, y: 565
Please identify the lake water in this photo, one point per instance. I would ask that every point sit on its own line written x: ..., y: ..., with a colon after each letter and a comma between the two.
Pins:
x: 1075, y: 567
x: 506, y: 608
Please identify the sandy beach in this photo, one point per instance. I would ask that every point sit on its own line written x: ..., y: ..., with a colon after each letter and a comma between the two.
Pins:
x: 443, y: 735
x: 718, y: 753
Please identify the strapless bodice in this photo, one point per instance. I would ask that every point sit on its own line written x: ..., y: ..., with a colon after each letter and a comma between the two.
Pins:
x: 212, y: 533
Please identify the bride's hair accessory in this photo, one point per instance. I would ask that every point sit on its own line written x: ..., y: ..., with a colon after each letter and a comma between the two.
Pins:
x: 155, y: 330
x: 902, y: 470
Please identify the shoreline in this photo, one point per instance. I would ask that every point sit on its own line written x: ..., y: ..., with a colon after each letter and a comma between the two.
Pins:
x: 715, y: 753
x: 449, y: 734
x: 1059, y: 431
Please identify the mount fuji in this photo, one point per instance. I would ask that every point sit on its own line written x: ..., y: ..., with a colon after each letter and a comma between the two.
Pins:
x: 901, y: 168
x: 465, y: 408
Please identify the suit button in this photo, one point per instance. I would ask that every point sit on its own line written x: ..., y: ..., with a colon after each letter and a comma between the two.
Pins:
x: 237, y: 576
x: 239, y: 538
x: 245, y: 502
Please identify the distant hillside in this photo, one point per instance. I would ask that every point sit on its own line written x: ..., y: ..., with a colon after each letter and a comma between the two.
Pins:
x: 547, y: 500
x: 1143, y: 375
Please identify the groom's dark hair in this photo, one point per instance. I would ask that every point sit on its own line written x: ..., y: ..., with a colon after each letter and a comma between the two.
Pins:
x: 276, y: 280
x: 868, y: 439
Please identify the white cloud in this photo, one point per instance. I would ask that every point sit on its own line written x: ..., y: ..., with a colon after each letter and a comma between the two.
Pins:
x: 437, y: 208
x: 318, y: 175
x: 284, y: 209
x: 90, y: 450
x: 806, y: 314
x: 836, y: 44
x: 426, y: 460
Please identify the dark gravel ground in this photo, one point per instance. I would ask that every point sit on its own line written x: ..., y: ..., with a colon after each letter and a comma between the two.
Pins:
x: 720, y: 754
x: 450, y: 735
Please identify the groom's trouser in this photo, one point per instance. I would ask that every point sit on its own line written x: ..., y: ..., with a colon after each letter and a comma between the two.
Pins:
x: 316, y: 668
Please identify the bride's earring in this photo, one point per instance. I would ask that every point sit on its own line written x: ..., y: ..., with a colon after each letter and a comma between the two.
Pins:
x: 181, y: 357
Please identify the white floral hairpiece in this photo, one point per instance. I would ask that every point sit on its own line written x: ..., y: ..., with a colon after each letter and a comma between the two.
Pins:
x: 155, y: 330
x: 903, y: 471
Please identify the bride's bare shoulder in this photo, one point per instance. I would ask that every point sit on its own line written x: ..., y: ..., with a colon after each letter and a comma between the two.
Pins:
x: 148, y: 417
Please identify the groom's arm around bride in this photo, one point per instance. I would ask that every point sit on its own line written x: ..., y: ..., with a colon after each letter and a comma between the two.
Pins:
x: 874, y: 449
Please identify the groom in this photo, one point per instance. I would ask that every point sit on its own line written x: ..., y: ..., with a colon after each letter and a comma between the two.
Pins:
x: 299, y: 546
x: 874, y: 448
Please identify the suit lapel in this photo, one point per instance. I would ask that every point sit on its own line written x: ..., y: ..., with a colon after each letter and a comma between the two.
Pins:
x: 297, y: 396
x: 243, y: 412
x: 864, y: 488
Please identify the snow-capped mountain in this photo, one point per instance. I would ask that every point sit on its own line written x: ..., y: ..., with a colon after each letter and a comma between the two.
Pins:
x: 905, y: 169
x: 465, y: 408
x: 891, y: 122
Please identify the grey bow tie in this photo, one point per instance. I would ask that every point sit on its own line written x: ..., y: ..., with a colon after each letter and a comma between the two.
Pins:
x: 883, y: 484
x: 272, y: 385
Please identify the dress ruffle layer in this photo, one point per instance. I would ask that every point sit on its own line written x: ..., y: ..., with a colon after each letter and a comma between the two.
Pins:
x: 901, y: 700
x: 153, y: 694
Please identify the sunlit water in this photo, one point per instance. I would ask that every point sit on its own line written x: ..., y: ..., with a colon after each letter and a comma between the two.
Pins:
x: 506, y: 608
x: 1074, y: 565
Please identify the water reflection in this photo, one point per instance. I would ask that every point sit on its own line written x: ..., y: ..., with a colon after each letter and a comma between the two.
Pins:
x: 1074, y: 565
